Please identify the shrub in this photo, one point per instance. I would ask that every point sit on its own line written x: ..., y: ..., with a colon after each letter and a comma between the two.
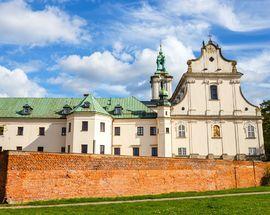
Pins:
x: 265, y: 181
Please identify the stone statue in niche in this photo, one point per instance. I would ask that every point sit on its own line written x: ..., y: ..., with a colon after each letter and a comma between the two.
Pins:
x: 216, y: 131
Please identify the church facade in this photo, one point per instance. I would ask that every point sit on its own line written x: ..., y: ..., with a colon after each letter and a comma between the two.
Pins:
x: 206, y: 116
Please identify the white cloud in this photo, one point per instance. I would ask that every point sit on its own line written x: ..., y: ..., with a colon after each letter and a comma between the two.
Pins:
x: 22, y: 25
x: 16, y: 83
x: 102, y: 72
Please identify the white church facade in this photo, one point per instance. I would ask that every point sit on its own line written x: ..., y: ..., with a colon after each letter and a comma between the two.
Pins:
x: 206, y: 116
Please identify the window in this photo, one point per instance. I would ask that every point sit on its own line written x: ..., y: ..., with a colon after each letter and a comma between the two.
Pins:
x: 63, y: 149
x: 41, y: 131
x: 40, y: 149
x: 118, y: 109
x: 102, y: 149
x: 214, y: 92
x: 69, y: 127
x: 64, y: 131
x: 154, y: 151
x: 216, y: 131
x: 167, y: 130
x: 117, y: 131
x: 182, y: 151
x: 140, y: 131
x: 136, y: 151
x: 19, y: 148
x: 102, y: 127
x: 84, y: 149
x: 250, y: 131
x: 1, y: 149
x: 117, y: 151
x: 181, y: 131
x: 153, y: 131
x: 20, y: 131
x: 1, y: 130
x: 252, y: 151
x: 84, y: 126
x: 68, y: 148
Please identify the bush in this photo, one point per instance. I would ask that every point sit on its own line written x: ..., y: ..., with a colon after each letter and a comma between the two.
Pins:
x: 265, y: 181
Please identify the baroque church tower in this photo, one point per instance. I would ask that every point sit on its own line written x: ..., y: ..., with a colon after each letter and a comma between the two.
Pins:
x: 161, y: 80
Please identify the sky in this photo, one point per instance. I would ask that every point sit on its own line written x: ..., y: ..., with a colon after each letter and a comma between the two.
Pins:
x: 65, y: 48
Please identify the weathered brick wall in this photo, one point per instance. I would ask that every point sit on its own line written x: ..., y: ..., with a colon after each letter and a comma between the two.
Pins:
x: 40, y: 176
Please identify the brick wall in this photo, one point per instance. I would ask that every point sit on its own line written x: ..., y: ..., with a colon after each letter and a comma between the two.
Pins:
x: 40, y: 176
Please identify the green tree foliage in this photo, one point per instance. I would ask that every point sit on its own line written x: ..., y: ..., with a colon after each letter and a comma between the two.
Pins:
x: 265, y: 108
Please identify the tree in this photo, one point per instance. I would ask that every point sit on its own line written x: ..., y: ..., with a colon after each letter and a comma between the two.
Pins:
x: 265, y: 109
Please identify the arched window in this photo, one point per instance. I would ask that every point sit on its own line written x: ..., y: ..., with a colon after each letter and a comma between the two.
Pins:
x: 182, y: 131
x: 213, y: 92
x: 250, y: 131
x: 216, y: 131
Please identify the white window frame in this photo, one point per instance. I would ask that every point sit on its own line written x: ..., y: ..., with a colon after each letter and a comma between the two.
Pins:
x: 182, y: 131
x: 250, y: 131
x: 182, y: 151
x: 252, y: 151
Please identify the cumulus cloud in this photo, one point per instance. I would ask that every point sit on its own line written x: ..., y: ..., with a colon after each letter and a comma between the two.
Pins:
x: 21, y: 25
x: 102, y: 72
x: 16, y: 83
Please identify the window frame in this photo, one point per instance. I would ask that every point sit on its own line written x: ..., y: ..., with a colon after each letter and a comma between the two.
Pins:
x: 134, y: 150
x: 140, y: 131
x: 84, y: 148
x: 167, y: 130
x: 251, y: 132
x: 181, y: 131
x: 182, y: 151
x: 213, y: 92
x: 253, y: 150
x: 41, y: 129
x: 116, y: 149
x: 2, y: 130
x: 102, y: 149
x: 153, y: 128
x: 84, y: 126
x: 64, y: 131
x: 102, y: 127
x: 69, y: 127
x: 117, y: 131
x: 156, y: 150
x: 18, y: 148
x: 40, y: 148
x: 20, y: 131
x: 63, y: 151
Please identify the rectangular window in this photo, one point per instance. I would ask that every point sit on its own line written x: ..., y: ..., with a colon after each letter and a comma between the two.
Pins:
x: 40, y: 149
x: 84, y: 126
x: 117, y: 131
x: 19, y: 148
x: 136, y: 151
x: 140, y: 131
x: 102, y: 127
x: 117, y: 151
x: 154, y: 151
x: 167, y: 130
x: 252, y: 151
x: 64, y: 131
x: 153, y: 131
x: 1, y: 149
x: 182, y: 151
x: 68, y: 148
x: 20, y: 131
x: 69, y: 127
x: 102, y: 149
x: 84, y: 149
x: 41, y: 131
x: 1, y: 130
x: 63, y: 149
x: 213, y: 92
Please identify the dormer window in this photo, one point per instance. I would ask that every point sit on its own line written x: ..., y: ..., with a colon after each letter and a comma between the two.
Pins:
x: 66, y: 109
x: 118, y: 109
x: 86, y: 104
x: 27, y: 109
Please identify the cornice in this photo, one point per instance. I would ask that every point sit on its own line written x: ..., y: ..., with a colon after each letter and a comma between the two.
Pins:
x: 216, y: 117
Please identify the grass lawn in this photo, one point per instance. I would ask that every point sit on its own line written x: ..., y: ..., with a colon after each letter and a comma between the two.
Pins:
x: 254, y: 204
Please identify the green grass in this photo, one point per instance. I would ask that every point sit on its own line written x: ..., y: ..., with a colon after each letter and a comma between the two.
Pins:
x: 256, y: 204
x: 166, y: 195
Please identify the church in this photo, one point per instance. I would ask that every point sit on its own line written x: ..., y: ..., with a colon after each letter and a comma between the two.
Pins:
x: 206, y: 116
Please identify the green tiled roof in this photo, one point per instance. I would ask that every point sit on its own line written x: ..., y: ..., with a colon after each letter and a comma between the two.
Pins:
x: 131, y: 107
x: 52, y: 107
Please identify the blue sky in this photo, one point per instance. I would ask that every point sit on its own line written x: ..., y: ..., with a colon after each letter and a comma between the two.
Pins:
x: 65, y: 48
